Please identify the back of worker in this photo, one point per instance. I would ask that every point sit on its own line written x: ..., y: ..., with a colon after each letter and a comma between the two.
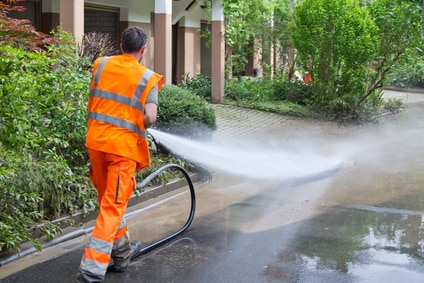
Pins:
x: 120, y: 92
x: 122, y: 104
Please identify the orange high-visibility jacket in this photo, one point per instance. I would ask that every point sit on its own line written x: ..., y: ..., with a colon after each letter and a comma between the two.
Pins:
x: 118, y: 92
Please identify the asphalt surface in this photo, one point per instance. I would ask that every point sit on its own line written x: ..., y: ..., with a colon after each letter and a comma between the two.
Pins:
x: 361, y: 222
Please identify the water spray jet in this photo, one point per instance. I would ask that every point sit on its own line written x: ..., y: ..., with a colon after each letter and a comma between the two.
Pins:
x: 250, y: 159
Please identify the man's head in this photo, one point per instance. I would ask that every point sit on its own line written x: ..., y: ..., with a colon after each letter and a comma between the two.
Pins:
x: 133, y: 40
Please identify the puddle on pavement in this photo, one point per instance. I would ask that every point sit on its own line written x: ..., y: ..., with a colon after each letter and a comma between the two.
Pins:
x: 366, y: 232
x: 354, y: 245
x: 371, y: 222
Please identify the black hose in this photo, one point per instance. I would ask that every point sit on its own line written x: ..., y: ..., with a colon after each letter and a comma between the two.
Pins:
x: 147, y: 180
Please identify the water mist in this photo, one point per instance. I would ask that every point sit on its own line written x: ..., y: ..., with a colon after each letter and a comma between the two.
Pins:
x: 253, y: 159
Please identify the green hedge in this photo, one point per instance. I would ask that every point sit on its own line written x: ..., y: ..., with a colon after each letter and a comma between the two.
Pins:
x: 43, y: 161
x: 183, y: 113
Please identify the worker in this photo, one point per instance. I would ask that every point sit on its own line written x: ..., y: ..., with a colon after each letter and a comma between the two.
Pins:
x: 122, y: 105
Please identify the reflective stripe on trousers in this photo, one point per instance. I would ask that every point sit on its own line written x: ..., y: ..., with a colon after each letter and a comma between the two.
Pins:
x: 113, y: 177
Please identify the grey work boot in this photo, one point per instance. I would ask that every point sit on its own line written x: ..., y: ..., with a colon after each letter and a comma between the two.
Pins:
x: 122, y: 261
x: 87, y: 277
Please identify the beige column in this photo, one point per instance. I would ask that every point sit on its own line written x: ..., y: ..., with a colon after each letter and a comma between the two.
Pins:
x: 72, y: 17
x: 218, y: 52
x: 188, y: 53
x: 163, y: 39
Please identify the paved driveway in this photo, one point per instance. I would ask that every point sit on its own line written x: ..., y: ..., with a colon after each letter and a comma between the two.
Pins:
x: 359, y: 222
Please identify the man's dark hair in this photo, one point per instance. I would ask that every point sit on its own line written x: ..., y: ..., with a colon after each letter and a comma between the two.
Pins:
x: 133, y: 38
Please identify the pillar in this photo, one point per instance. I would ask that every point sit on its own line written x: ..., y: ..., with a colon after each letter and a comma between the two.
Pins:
x: 188, y: 51
x: 72, y: 17
x: 163, y: 39
x: 218, y: 53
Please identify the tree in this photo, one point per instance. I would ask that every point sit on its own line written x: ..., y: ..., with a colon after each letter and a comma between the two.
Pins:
x: 244, y: 21
x: 282, y: 16
x: 335, y: 40
x: 400, y: 35
x: 19, y: 33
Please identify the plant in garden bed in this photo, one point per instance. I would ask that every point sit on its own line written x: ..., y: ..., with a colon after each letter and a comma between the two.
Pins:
x: 183, y: 113
x: 198, y: 85
x: 42, y: 126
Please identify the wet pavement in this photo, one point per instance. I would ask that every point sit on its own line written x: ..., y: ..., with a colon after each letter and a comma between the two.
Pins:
x: 359, y: 223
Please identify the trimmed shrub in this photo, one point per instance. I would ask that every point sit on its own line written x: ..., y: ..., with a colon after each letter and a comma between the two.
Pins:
x: 183, y: 113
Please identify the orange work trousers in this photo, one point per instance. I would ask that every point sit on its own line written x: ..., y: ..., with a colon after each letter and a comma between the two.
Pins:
x: 113, y: 177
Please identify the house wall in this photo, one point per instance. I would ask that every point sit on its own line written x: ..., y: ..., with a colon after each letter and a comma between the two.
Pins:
x: 191, y: 56
x: 49, y: 16
x: 102, y: 22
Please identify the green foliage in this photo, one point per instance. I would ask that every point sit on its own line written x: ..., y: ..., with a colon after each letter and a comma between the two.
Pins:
x: 199, y: 85
x: 18, y: 205
x: 43, y: 98
x: 408, y: 75
x: 335, y: 40
x: 160, y: 159
x: 278, y: 96
x: 245, y: 20
x: 183, y: 113
x: 283, y: 108
x: 64, y: 190
x: 394, y: 105
x: 399, y: 58
x: 293, y: 92
x: 36, y: 192
x: 43, y: 101
x: 281, y: 38
x: 350, y: 51
x: 245, y: 90
x: 252, y: 90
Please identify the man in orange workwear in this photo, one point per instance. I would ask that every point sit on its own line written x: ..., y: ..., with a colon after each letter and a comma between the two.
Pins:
x: 122, y: 105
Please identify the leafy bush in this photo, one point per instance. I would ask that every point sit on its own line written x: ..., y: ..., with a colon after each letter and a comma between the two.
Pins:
x: 43, y: 98
x: 408, y: 75
x: 335, y: 41
x: 43, y: 110
x: 199, y: 85
x: 293, y: 91
x: 35, y: 192
x: 270, y: 95
x: 183, y: 113
x: 18, y: 206
x: 250, y: 89
x: 394, y: 105
x: 236, y: 90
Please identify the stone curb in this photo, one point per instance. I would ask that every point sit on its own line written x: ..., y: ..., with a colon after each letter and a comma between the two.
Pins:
x: 412, y: 90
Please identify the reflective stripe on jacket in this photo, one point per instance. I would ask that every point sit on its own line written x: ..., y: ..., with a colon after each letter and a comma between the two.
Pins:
x: 118, y: 93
